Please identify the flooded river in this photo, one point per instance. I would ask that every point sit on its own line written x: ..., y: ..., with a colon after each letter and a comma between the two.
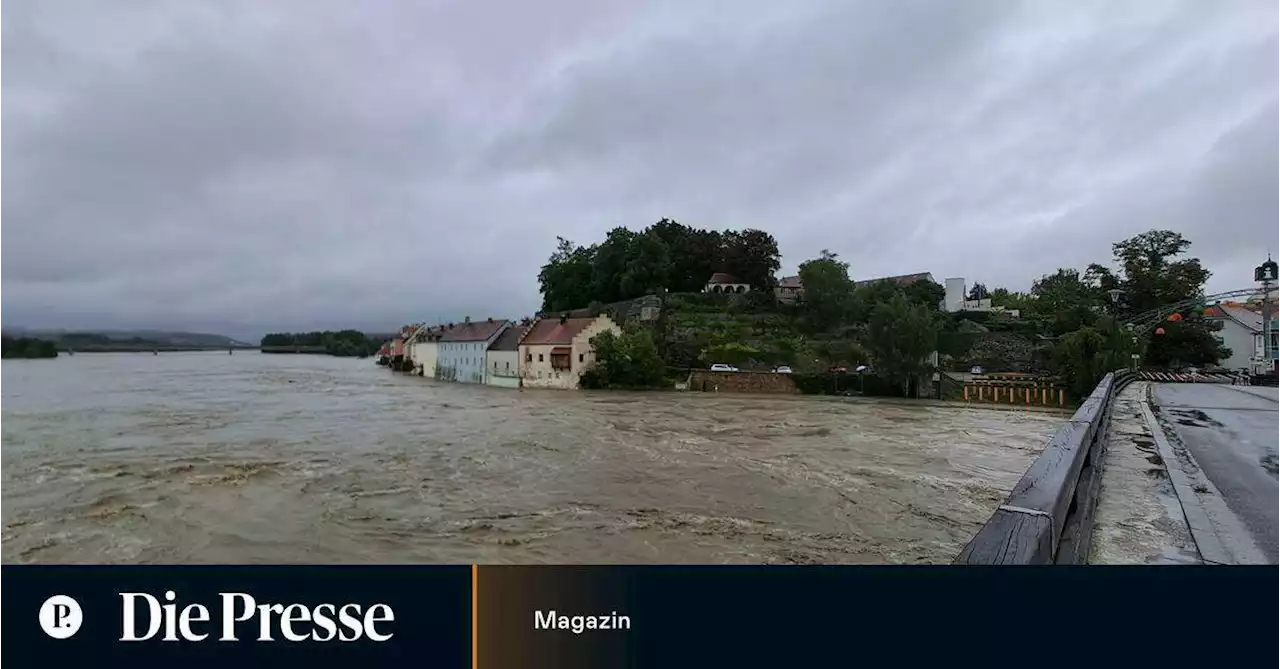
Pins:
x: 253, y: 458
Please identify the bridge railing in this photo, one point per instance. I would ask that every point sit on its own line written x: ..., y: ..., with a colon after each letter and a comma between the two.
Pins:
x: 1048, y: 517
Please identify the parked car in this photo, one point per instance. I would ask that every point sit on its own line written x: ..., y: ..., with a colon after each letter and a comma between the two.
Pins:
x: 782, y: 369
x: 720, y: 367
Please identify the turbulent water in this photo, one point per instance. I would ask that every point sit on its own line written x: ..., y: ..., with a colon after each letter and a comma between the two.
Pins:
x: 252, y: 458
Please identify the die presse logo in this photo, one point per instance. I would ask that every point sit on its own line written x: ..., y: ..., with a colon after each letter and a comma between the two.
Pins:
x: 237, y: 616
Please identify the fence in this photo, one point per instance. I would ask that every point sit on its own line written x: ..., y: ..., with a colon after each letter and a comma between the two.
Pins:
x: 1048, y: 518
x: 1015, y: 392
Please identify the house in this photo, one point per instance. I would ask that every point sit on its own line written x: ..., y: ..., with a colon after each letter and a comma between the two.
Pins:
x: 957, y: 299
x: 721, y: 282
x: 555, y: 351
x: 790, y: 289
x: 424, y: 347
x: 1241, y: 332
x: 397, y: 351
x: 460, y: 353
x: 502, y: 360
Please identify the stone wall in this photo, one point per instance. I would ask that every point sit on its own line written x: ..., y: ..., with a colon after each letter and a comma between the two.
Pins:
x: 742, y: 382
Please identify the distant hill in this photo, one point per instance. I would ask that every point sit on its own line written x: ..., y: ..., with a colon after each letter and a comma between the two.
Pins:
x: 127, y: 339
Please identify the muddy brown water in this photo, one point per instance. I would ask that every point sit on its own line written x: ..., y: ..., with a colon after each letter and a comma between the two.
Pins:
x: 256, y: 458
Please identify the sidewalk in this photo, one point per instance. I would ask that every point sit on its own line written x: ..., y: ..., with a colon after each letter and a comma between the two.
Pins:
x: 1139, y: 519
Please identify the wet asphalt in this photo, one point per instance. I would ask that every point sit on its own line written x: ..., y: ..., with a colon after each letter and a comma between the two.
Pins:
x: 1232, y: 433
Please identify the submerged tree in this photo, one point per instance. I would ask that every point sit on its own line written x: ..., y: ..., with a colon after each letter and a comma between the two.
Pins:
x: 901, y: 336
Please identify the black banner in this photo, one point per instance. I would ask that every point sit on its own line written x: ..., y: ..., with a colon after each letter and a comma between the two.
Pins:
x: 566, y: 617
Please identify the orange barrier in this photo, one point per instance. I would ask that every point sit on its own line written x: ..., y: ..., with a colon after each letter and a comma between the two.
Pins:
x: 1012, y: 392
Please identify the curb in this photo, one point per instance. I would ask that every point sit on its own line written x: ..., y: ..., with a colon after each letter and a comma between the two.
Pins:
x: 1212, y: 552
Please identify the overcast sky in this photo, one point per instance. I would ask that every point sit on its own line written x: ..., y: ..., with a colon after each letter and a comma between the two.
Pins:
x: 251, y: 166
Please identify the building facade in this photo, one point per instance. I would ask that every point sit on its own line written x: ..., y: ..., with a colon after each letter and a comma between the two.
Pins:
x: 957, y: 299
x: 502, y: 360
x: 725, y: 283
x: 555, y: 351
x: 424, y: 348
x: 790, y: 290
x: 460, y: 353
x: 1242, y: 333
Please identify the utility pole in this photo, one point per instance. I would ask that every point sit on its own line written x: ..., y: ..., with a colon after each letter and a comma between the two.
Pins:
x: 1266, y: 275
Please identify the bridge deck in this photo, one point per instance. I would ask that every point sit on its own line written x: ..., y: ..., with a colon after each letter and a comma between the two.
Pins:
x: 1230, y: 435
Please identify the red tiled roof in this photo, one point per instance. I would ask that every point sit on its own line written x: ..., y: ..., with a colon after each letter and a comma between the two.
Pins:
x: 723, y: 277
x: 552, y: 331
x: 474, y: 331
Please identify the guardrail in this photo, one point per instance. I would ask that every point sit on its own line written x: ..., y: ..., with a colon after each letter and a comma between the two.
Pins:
x: 1048, y: 517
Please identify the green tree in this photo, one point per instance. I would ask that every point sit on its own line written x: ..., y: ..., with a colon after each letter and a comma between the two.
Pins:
x: 1188, y: 342
x: 1152, y: 273
x: 900, y: 338
x: 753, y: 258
x: 626, y: 360
x: 566, y: 279
x: 1065, y: 301
x: 1003, y: 297
x: 1155, y: 272
x: 925, y: 293
x: 828, y: 291
x: 978, y: 291
x: 1082, y: 358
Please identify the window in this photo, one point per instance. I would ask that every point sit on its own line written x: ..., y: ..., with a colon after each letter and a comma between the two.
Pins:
x: 559, y: 361
x: 495, y: 365
x: 581, y: 356
x: 539, y: 357
x: 508, y: 364
x: 528, y: 357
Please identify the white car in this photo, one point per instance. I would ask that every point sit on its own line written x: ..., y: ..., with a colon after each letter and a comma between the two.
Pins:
x: 782, y: 369
x: 718, y: 367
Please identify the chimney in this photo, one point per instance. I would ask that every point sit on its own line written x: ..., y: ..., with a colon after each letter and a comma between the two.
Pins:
x: 490, y: 319
x: 467, y: 320
x: 564, y: 318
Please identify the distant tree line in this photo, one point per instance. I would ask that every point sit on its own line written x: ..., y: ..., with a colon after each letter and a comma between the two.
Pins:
x: 27, y: 347
x: 666, y: 256
x: 343, y: 343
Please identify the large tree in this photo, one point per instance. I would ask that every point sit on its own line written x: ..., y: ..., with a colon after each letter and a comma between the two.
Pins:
x: 566, y: 279
x: 1065, y: 301
x: 752, y: 256
x: 900, y: 338
x: 1152, y: 273
x: 828, y: 291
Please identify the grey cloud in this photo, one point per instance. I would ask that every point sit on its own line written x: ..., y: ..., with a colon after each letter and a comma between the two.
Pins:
x: 319, y: 164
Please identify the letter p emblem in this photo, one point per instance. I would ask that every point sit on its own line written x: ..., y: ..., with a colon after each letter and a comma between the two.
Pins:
x: 60, y: 616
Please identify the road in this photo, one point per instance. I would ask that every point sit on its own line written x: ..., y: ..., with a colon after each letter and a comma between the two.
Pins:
x: 1231, y: 431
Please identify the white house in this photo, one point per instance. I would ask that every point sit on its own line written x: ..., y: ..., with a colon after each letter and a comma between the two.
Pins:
x: 1241, y: 332
x: 721, y: 282
x: 502, y: 360
x: 957, y: 299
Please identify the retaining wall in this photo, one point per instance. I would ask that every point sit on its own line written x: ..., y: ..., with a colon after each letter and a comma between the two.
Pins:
x: 742, y: 382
